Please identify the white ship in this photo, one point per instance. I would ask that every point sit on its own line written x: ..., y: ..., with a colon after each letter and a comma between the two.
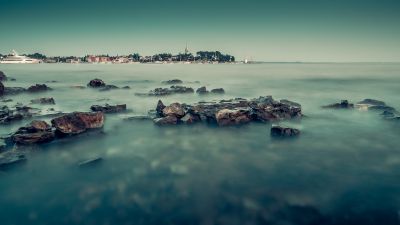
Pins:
x: 14, y: 58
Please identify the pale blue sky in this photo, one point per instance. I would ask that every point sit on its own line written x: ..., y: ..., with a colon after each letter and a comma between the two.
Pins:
x: 268, y: 30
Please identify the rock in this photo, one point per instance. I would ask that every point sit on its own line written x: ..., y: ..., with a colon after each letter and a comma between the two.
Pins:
x: 10, y: 158
x: 233, y: 112
x: 44, y: 101
x: 202, y: 91
x: 369, y: 101
x: 1, y: 89
x: 3, y: 77
x: 228, y: 117
x: 160, y: 107
x: 278, y: 131
x: 36, y: 132
x: 138, y: 118
x: 173, y: 81
x: 13, y: 90
x: 190, y: 118
x: 38, y: 88
x: 77, y: 122
x: 168, y: 120
x: 126, y: 87
x: 218, y: 91
x: 344, y: 104
x: 7, y: 100
x: 109, y: 87
x: 168, y: 91
x: 175, y: 109
x: 108, y: 108
x: 90, y: 162
x: 96, y: 83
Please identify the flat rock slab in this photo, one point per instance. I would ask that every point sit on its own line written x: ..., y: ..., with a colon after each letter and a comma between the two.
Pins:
x: 77, y: 122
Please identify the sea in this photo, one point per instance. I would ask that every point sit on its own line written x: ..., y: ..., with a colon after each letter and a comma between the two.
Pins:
x: 344, y: 168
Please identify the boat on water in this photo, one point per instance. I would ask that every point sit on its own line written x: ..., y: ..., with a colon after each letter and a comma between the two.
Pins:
x: 15, y: 58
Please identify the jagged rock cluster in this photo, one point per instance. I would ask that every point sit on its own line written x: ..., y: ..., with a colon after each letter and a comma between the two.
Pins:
x: 388, y: 112
x: 227, y: 112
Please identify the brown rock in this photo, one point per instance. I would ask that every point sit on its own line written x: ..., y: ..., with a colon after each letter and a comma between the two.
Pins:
x: 227, y: 117
x: 36, y: 132
x: 78, y: 122
x: 175, y: 109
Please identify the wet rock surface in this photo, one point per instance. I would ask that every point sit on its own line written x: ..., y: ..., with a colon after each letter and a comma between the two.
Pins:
x: 279, y: 131
x: 36, y: 132
x: 77, y: 122
x: 14, y: 90
x: 109, y: 108
x: 228, y: 112
x: 96, y: 83
x: 44, y: 101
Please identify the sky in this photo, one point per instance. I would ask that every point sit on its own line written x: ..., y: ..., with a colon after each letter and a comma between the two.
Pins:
x: 261, y: 30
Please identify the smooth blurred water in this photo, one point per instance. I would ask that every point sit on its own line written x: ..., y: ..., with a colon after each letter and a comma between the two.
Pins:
x: 343, y: 169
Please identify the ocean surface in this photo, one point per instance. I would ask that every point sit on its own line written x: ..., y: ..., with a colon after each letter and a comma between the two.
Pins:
x: 343, y: 169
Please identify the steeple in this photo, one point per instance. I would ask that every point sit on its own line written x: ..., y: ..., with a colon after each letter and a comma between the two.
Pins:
x: 186, y: 49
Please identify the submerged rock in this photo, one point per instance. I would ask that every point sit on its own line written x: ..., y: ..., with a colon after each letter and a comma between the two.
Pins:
x: 108, y: 87
x: 173, y: 81
x: 48, y: 101
x: 202, y: 90
x: 278, y: 131
x: 36, y: 132
x: 96, y: 83
x: 90, y: 162
x: 168, y: 120
x: 3, y: 76
x: 8, y: 115
x: 168, y: 91
x: 369, y: 101
x: 109, y: 108
x: 77, y: 122
x: 229, y: 112
x: 38, y: 88
x: 10, y: 158
x: 13, y: 90
x: 218, y: 91
x: 344, y: 104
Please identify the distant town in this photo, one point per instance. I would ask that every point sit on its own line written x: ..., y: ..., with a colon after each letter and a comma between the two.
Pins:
x: 200, y: 57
